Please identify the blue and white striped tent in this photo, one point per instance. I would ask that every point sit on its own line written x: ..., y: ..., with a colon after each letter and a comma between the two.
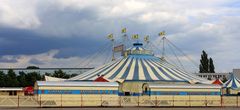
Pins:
x: 233, y: 82
x: 140, y: 65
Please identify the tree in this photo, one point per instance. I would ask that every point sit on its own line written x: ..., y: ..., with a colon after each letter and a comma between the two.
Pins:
x: 206, y: 65
x: 73, y: 75
x: 2, y: 79
x: 32, y: 78
x: 33, y: 67
x: 211, y: 66
x: 224, y: 79
x: 203, y: 68
x: 60, y: 74
x: 11, y: 79
x: 22, y: 79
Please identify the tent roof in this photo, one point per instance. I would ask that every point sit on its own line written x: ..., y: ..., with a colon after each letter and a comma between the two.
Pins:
x: 233, y: 82
x: 140, y: 65
x: 100, y: 79
x: 218, y: 82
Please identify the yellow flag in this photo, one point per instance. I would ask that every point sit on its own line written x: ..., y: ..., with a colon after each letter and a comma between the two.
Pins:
x: 162, y: 33
x: 146, y: 38
x: 110, y: 36
x: 124, y: 30
x: 135, y: 36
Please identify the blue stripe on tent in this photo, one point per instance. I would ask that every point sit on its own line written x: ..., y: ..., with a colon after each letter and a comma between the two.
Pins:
x: 183, y: 75
x: 234, y: 85
x: 109, y: 69
x: 136, y: 74
x: 233, y: 81
x: 94, y: 74
x: 119, y: 69
x: 227, y: 83
x: 98, y: 71
x: 146, y: 73
x: 155, y: 72
x: 78, y: 92
x: 163, y: 72
x: 125, y: 74
x: 88, y: 73
x: 176, y: 75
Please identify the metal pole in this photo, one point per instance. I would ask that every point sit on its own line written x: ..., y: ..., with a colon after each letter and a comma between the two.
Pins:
x: 156, y: 101
x: 113, y: 57
x: 101, y: 100
x: 205, y: 101
x: 18, y: 101
x: 173, y: 100
x: 221, y: 100
x: 237, y: 101
x: 40, y: 101
x: 138, y: 101
x: 61, y: 100
x: 163, y: 52
x: 81, y: 101
x: 189, y: 100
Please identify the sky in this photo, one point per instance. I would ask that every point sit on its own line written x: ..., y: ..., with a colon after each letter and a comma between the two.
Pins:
x: 64, y: 33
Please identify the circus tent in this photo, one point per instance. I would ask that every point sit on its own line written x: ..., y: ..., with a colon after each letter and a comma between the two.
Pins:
x: 140, y: 65
x: 233, y: 82
x: 218, y: 82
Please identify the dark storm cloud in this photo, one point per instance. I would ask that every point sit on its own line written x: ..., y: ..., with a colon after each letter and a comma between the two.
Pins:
x: 24, y: 42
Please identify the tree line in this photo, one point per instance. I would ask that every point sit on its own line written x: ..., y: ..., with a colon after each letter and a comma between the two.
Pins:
x: 22, y: 79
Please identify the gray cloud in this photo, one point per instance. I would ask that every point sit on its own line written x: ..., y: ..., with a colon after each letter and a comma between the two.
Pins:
x: 72, y: 25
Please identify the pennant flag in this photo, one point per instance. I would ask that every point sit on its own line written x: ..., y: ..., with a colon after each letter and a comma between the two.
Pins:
x: 135, y: 36
x: 110, y: 36
x: 124, y: 30
x: 146, y: 38
x: 162, y: 33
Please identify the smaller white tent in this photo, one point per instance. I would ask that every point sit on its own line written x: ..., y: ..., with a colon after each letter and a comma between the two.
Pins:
x: 49, y: 78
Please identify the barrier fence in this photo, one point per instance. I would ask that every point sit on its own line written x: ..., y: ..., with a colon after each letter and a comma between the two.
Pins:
x: 91, y: 100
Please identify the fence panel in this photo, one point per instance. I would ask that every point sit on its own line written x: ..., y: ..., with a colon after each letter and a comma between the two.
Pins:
x: 213, y: 100
x: 147, y: 101
x: 198, y: 101
x: 50, y: 100
x: 229, y: 101
x: 9, y: 101
x: 28, y: 101
x: 129, y: 101
x: 110, y: 100
x: 164, y: 100
x: 71, y: 101
x: 91, y: 100
x: 181, y: 100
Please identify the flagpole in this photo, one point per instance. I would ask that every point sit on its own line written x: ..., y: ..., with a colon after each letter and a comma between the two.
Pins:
x: 163, y: 45
x: 113, y: 56
x: 110, y: 36
x: 163, y: 52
